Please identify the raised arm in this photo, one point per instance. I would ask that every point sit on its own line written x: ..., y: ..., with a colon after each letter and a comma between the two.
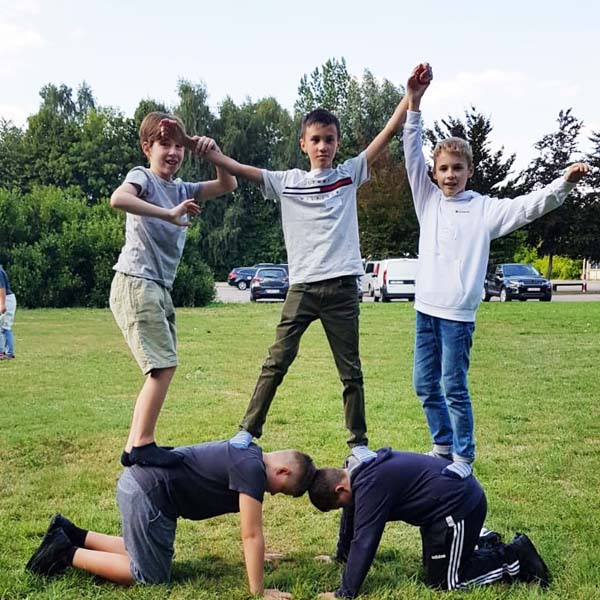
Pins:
x: 197, y: 145
x: 225, y: 182
x: 254, y: 547
x: 125, y: 198
x: 421, y: 73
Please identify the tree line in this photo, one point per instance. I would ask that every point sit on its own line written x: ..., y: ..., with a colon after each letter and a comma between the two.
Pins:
x: 60, y: 238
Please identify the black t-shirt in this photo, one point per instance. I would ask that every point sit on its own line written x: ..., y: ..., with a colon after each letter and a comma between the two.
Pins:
x: 207, y: 483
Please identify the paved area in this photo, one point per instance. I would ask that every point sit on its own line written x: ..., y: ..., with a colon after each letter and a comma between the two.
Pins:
x: 228, y: 293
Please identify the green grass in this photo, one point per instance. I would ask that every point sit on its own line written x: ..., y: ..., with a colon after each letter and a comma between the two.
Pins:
x: 66, y: 403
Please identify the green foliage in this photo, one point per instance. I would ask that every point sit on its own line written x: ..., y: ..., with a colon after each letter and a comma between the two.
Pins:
x: 562, y: 266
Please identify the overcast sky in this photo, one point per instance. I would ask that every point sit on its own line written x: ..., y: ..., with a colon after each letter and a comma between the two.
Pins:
x: 519, y: 62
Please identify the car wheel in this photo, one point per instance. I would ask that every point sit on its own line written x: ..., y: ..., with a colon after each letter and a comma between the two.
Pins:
x: 242, y: 285
x: 252, y: 297
x: 504, y: 295
x: 384, y: 298
x: 485, y: 296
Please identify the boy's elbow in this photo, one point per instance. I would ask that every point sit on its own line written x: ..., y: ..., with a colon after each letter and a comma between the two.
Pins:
x: 233, y: 184
x: 114, y: 200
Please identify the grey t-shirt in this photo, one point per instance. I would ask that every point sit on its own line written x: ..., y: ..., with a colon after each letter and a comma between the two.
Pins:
x: 207, y: 483
x: 153, y: 247
x: 320, y: 223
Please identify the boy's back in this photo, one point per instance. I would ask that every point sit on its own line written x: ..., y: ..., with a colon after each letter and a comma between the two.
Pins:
x: 207, y: 482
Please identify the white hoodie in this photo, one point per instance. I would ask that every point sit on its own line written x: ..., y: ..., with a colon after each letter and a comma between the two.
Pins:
x: 456, y: 232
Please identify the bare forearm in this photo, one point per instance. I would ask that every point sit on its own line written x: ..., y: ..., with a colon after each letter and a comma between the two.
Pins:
x: 227, y: 180
x: 234, y: 167
x: 414, y: 103
x: 387, y: 133
x: 254, y: 553
x: 134, y: 205
x: 2, y: 300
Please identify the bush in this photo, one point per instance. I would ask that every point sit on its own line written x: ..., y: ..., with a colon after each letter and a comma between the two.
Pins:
x: 562, y: 267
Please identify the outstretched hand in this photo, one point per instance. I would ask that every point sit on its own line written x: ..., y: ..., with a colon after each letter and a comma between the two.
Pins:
x: 325, y: 558
x: 576, y: 172
x: 419, y: 80
x: 187, y: 207
x: 169, y: 128
x: 202, y: 145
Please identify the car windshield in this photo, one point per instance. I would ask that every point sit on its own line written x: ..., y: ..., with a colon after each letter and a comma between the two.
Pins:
x: 520, y: 270
x: 271, y: 273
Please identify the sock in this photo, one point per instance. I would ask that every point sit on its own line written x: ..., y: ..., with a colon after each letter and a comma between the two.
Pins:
x: 458, y: 470
x: 126, y: 459
x: 363, y: 454
x: 75, y: 534
x: 151, y: 455
x: 241, y: 439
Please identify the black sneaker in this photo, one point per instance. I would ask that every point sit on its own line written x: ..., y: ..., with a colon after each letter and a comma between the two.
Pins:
x: 532, y: 566
x: 488, y: 539
x: 74, y: 533
x: 52, y: 556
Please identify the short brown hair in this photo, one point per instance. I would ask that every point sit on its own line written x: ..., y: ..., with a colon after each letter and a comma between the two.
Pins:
x: 455, y: 145
x: 322, y: 491
x: 150, y: 127
x: 304, y: 471
x: 319, y: 116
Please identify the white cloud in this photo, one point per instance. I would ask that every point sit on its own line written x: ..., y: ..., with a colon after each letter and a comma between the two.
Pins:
x: 28, y: 7
x: 14, y: 39
x: 17, y: 114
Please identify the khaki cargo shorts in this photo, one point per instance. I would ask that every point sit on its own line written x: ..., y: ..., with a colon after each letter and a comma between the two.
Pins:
x: 144, y: 312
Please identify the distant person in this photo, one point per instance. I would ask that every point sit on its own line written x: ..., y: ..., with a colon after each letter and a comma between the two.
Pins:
x: 213, y: 479
x: 8, y: 306
x: 457, y: 227
x: 158, y: 210
x: 320, y: 226
x: 402, y: 486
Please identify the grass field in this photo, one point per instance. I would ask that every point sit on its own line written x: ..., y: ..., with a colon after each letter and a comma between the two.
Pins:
x: 67, y: 400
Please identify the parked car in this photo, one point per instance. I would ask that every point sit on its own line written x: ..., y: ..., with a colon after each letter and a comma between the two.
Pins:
x: 395, y: 279
x: 269, y: 282
x: 366, y: 280
x: 516, y: 281
x: 242, y: 276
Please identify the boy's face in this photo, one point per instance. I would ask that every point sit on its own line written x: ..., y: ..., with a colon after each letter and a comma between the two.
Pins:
x: 165, y: 156
x: 320, y: 143
x: 451, y: 173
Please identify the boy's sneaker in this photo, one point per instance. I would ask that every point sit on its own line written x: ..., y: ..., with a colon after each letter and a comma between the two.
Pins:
x: 488, y: 539
x: 531, y: 565
x: 54, y: 554
x: 241, y: 440
x: 75, y: 534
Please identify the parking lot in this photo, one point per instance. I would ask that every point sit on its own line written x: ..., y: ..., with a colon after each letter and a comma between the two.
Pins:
x: 229, y: 294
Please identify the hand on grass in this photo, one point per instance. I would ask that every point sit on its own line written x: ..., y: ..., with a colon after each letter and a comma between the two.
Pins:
x: 275, y: 594
x: 187, y: 207
x: 325, y: 558
x: 576, y: 172
x: 326, y: 595
x: 273, y: 557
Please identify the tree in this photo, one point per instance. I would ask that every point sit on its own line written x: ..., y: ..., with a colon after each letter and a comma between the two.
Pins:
x: 556, y: 232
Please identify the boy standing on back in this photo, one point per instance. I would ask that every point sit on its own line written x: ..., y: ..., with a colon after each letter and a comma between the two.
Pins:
x: 158, y: 210
x: 320, y: 226
x: 457, y: 227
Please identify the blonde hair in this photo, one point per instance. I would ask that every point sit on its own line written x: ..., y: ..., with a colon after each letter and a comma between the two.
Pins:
x: 454, y: 145
x: 150, y: 127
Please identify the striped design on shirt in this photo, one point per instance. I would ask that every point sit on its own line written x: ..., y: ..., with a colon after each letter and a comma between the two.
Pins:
x: 318, y: 189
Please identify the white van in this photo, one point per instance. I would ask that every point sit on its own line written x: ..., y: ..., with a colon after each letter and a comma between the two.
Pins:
x: 395, y: 279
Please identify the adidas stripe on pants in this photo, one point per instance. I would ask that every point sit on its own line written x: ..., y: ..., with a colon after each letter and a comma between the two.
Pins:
x: 450, y: 559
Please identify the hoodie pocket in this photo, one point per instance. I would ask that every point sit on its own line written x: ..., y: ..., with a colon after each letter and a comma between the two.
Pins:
x: 439, y: 282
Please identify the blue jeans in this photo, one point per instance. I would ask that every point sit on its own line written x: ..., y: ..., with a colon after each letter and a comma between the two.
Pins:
x: 442, y: 353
